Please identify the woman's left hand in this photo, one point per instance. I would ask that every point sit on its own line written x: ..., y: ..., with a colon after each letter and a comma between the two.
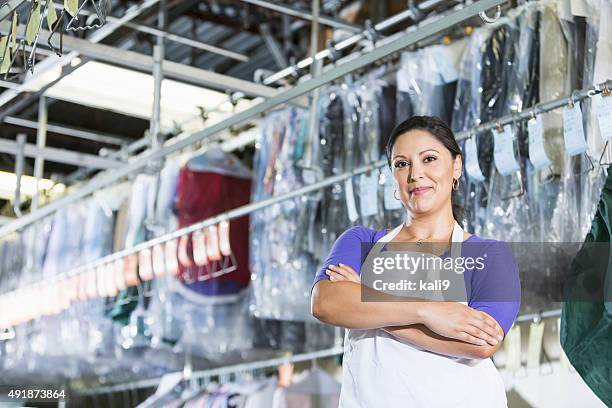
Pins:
x: 342, y: 273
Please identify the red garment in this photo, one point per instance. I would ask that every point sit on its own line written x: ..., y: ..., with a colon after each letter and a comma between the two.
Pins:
x: 204, y: 194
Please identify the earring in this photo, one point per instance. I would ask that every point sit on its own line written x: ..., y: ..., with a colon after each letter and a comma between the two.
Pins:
x: 455, y: 184
x: 394, y: 196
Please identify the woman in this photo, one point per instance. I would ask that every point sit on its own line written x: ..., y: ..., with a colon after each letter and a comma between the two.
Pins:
x: 421, y: 353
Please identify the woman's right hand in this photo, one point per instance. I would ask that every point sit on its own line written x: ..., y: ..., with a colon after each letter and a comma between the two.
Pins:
x: 458, y: 321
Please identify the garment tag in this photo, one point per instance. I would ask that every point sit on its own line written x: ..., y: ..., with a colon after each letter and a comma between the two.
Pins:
x: 579, y: 8
x: 403, y: 80
x: 183, y: 256
x: 119, y: 266
x: 472, y: 168
x: 350, y: 200
x: 109, y: 273
x: 604, y: 116
x: 224, y: 238
x: 537, y: 154
x: 33, y: 23
x: 573, y: 131
x: 368, y: 193
x: 564, y: 9
x: 212, y: 243
x: 512, y: 347
x: 503, y: 151
x: 446, y: 67
x: 5, y: 55
x: 131, y: 269
x: 534, y: 348
x: 101, y: 278
x: 285, y: 374
x: 172, y: 266
x: 198, y: 240
x: 51, y: 14
x: 159, y: 265
x: 71, y: 7
x: 389, y: 201
x: 14, y: 27
x: 145, y: 266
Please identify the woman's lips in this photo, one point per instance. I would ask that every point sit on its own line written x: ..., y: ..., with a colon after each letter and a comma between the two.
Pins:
x: 420, y: 191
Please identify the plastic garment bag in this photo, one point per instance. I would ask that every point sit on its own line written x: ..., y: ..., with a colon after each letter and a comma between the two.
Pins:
x: 281, y: 267
x: 554, y: 83
x: 506, y: 78
x: 281, y: 270
x: 197, y: 305
x: 427, y: 81
x: 466, y: 114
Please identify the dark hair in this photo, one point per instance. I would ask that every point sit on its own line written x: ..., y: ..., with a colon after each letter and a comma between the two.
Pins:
x: 441, y: 131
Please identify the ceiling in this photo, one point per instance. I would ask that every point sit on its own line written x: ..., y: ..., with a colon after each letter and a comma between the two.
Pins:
x: 230, y: 25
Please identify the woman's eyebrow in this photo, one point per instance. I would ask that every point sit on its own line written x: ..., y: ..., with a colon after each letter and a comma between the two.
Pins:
x: 399, y: 155
x: 429, y: 150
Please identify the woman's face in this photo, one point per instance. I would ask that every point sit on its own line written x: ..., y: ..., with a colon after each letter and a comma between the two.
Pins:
x: 423, y: 169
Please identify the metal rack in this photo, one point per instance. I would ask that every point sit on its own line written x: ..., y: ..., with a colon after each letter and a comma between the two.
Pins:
x: 412, y: 36
x: 245, y: 367
x: 269, y: 363
x: 539, y: 108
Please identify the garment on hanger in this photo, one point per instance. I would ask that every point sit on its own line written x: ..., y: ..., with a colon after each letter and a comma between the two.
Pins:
x: 280, y: 262
x: 210, y: 184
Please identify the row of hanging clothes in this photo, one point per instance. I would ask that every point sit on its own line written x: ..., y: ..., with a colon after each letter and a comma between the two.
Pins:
x: 263, y: 305
x: 143, y: 327
x: 539, y: 52
x: 310, y: 388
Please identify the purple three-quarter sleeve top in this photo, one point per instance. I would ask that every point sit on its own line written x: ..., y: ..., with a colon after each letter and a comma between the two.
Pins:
x: 495, y: 289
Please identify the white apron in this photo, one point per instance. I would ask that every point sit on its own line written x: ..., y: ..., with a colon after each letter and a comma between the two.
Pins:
x: 381, y: 371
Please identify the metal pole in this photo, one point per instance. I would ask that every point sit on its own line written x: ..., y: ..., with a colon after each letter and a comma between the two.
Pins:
x: 383, y: 25
x: 334, y: 351
x: 68, y: 131
x: 19, y: 159
x: 223, y: 370
x: 41, y: 141
x: 175, y: 38
x: 294, y: 12
x: 281, y: 98
x: 315, y: 72
x: 8, y: 7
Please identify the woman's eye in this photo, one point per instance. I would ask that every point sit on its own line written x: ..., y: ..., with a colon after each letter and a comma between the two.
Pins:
x: 430, y: 159
x: 400, y: 164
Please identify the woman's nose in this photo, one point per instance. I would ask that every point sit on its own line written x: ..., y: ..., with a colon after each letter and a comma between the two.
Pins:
x: 415, y: 173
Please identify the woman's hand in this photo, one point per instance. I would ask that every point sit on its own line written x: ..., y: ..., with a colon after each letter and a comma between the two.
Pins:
x: 461, y: 322
x: 342, y: 273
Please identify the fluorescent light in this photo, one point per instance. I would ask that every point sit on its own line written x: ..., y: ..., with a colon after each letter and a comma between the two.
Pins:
x: 8, y: 183
x: 130, y: 92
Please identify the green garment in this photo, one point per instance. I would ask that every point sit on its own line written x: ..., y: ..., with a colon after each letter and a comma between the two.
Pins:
x: 586, y: 321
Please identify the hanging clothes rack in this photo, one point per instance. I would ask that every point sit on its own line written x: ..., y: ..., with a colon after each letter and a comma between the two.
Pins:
x: 411, y: 36
x: 245, y: 367
x: 268, y: 363
x: 539, y: 108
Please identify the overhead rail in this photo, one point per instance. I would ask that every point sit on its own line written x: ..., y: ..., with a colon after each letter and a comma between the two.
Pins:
x: 410, y: 37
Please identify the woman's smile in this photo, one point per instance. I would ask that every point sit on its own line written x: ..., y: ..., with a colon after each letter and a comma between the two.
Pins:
x: 420, y: 191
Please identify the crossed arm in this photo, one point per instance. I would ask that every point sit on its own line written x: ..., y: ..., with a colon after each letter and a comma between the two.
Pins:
x: 448, y: 328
